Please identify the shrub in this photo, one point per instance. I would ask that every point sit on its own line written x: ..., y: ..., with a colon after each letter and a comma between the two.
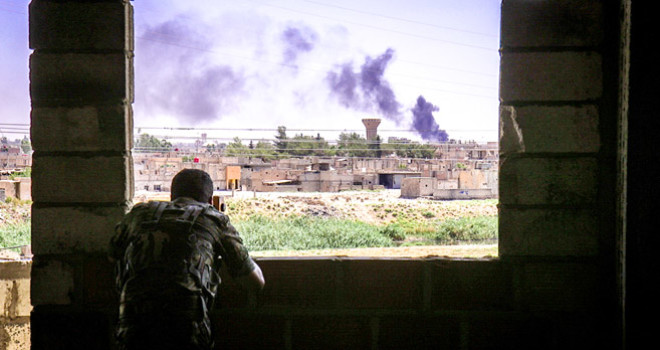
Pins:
x: 394, y: 232
x: 305, y: 233
x: 467, y: 229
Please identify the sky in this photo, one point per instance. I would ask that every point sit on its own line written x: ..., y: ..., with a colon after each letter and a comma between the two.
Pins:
x: 427, y: 68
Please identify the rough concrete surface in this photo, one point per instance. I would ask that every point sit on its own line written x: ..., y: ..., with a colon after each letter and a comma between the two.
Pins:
x: 15, y: 336
x: 15, y: 304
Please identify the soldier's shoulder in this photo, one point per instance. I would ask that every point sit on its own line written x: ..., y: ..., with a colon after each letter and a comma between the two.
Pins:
x: 214, y: 214
x: 142, y: 209
x: 142, y: 206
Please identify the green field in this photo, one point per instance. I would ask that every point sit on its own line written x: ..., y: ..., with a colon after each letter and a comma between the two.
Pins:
x: 265, y: 225
x: 307, y: 233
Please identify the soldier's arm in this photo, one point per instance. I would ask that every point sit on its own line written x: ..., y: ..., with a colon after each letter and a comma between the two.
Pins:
x: 254, y: 280
x: 240, y: 266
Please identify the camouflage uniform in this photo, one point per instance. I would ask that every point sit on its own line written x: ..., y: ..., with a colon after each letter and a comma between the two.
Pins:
x: 168, y: 255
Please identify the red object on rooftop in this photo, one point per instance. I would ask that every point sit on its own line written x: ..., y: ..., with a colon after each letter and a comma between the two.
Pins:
x: 196, y: 160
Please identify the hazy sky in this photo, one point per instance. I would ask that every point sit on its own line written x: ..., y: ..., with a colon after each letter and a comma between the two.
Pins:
x: 313, y: 65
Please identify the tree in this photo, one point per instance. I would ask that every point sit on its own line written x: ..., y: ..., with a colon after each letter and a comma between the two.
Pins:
x: 409, y: 150
x: 305, y: 145
x: 151, y: 143
x: 265, y: 150
x: 26, y: 146
x: 281, y: 144
x: 236, y: 148
x: 352, y: 145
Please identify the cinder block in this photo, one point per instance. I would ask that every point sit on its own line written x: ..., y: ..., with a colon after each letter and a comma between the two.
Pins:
x: 15, y: 295
x: 61, y: 230
x: 52, y: 283
x: 533, y: 181
x: 67, y: 328
x: 542, y: 129
x: 419, y: 332
x: 549, y: 232
x: 303, y: 283
x: 382, y: 284
x: 77, y: 25
x: 14, y: 270
x: 328, y: 332
x: 15, y: 335
x: 553, y: 286
x: 509, y: 331
x: 79, y: 78
x: 81, y: 179
x: 249, y: 332
x: 469, y: 285
x: 98, y: 282
x: 82, y: 129
x: 550, y: 76
x: 551, y: 23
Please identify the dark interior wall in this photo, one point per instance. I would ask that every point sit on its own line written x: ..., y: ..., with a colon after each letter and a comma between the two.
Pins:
x: 642, y: 125
x: 557, y: 284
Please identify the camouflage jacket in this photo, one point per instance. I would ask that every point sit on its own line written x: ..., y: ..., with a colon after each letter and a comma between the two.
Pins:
x: 171, y: 252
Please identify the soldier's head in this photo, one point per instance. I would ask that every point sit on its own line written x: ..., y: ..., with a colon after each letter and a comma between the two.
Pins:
x: 193, y: 183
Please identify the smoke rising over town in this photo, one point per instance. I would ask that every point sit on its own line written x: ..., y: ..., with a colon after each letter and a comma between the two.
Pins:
x: 424, y: 122
x: 297, y: 40
x: 303, y: 64
x: 203, y: 73
x: 366, y: 89
x: 181, y: 78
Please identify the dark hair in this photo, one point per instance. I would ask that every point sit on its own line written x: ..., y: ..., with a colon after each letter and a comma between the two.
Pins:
x: 193, y: 183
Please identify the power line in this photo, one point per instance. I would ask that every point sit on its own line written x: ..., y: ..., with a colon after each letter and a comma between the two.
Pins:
x: 167, y: 42
x: 256, y: 155
x: 285, y: 152
x: 412, y: 145
x: 306, y: 130
x: 383, y: 29
x: 401, y: 19
x: 328, y: 68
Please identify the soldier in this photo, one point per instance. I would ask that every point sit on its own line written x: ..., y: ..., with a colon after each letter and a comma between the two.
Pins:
x: 168, y: 256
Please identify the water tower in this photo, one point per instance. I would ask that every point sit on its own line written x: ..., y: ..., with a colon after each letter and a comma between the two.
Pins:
x: 372, y: 127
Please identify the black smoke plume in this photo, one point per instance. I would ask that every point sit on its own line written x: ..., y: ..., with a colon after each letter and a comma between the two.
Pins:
x: 366, y: 90
x: 187, y: 83
x: 424, y: 122
x: 297, y: 41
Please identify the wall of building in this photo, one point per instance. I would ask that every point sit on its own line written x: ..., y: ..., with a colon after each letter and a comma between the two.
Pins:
x: 555, y: 285
x: 15, y: 305
x: 413, y: 187
x: 20, y: 187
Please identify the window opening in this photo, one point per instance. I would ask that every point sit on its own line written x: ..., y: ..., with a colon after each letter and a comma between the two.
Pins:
x: 15, y: 144
x: 376, y: 119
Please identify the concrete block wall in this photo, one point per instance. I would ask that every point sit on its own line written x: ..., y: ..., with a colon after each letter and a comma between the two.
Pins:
x: 554, y: 285
x: 81, y: 86
x: 553, y: 134
x: 558, y: 117
x: 15, y: 305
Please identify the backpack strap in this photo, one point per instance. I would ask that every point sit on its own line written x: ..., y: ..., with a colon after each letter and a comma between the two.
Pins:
x: 157, y: 209
x: 190, y: 215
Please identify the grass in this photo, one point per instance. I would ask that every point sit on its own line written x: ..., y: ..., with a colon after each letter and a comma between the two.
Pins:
x: 15, y: 234
x: 278, y: 230
x: 309, y: 233
x: 14, y: 223
x: 305, y: 233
